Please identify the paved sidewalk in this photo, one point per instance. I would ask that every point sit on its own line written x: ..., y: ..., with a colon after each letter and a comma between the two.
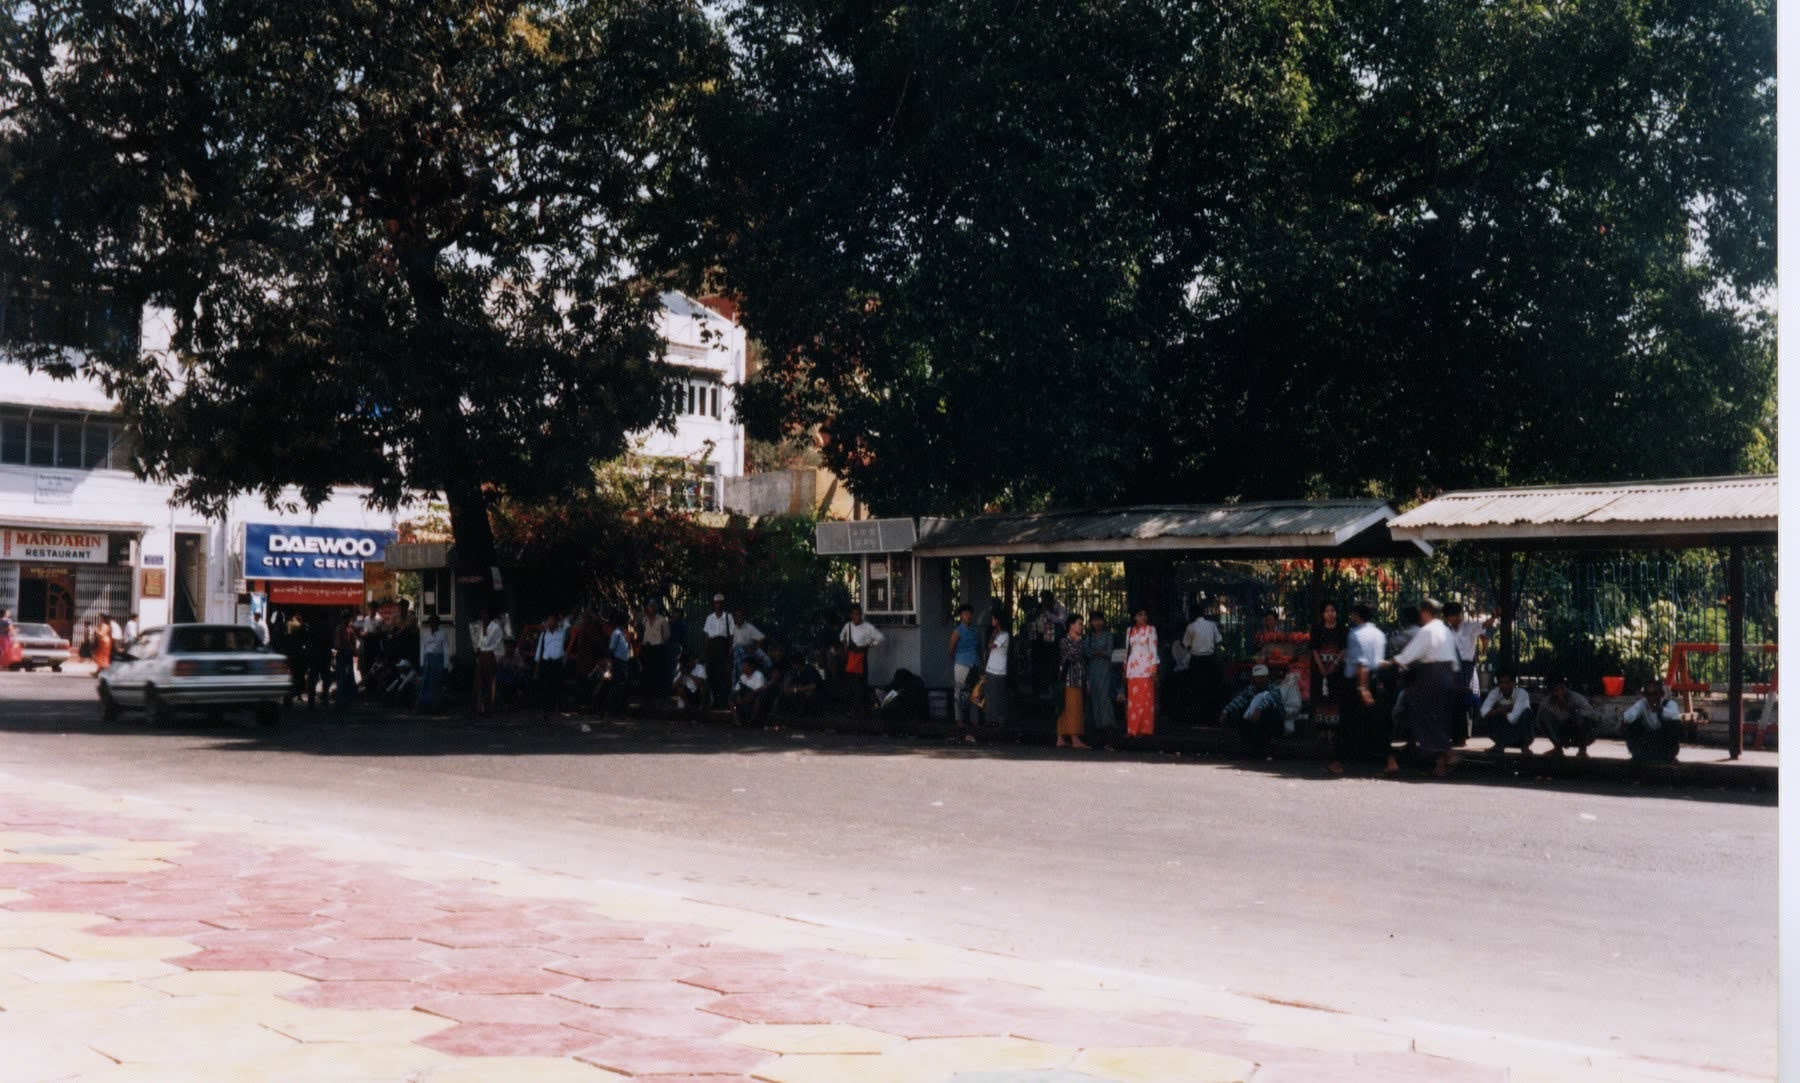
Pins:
x: 139, y: 942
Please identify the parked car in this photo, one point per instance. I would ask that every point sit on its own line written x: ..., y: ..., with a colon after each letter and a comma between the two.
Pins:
x: 43, y: 647
x: 207, y: 667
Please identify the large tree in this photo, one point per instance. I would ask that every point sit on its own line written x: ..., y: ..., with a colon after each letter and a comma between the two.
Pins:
x: 402, y: 244
x: 1028, y: 252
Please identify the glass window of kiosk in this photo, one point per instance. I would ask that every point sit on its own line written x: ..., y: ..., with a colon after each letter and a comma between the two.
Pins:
x: 887, y: 582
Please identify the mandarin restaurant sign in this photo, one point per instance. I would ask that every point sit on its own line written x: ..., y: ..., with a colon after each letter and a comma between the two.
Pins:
x: 62, y: 546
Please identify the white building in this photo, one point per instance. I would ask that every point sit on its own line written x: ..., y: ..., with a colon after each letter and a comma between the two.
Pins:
x: 80, y: 536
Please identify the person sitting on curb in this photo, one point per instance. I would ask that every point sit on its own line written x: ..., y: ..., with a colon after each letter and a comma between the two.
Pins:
x: 801, y: 685
x: 753, y: 696
x: 1653, y: 726
x: 1568, y: 718
x: 1255, y: 711
x: 693, y: 693
x: 1507, y: 714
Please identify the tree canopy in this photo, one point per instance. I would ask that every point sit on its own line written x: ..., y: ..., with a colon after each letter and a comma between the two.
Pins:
x: 404, y: 244
x: 1028, y: 253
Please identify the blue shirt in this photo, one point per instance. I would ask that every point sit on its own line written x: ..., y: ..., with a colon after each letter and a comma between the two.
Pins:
x: 1367, y: 647
x: 621, y: 647
x: 968, y: 644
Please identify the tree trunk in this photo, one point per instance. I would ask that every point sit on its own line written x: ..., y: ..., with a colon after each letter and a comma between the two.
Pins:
x: 475, y: 556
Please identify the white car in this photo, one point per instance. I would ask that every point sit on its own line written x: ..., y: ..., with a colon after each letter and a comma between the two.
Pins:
x: 205, y: 667
x: 44, y: 646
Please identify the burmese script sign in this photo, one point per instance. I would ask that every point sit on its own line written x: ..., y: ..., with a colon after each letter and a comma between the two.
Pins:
x: 61, y: 546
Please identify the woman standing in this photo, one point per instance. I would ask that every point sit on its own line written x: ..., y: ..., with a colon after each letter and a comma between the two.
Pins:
x: 1326, y: 658
x: 1073, y: 667
x: 1097, y: 648
x: 996, y: 696
x: 1141, y: 666
x: 103, y: 643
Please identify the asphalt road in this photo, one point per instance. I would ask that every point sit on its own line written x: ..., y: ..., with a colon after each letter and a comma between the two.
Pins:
x: 1635, y: 919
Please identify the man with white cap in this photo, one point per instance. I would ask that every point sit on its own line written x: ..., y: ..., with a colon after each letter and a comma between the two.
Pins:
x: 720, y: 630
x: 1256, y: 711
x: 1430, y: 660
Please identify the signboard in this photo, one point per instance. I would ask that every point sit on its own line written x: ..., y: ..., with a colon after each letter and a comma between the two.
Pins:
x: 151, y: 583
x: 56, y: 488
x: 153, y: 560
x: 291, y: 593
x: 57, y: 546
x: 311, y: 554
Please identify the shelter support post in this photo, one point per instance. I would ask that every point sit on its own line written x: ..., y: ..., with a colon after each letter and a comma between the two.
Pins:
x: 1008, y: 573
x: 1509, y: 641
x: 1318, y: 597
x: 1734, y: 615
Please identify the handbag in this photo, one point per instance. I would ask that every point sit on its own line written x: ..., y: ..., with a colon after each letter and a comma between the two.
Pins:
x: 978, y: 694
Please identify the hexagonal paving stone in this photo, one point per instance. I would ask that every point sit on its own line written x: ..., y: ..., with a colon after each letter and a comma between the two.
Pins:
x: 633, y: 1023
x: 508, y: 1040
x: 1160, y: 1065
x: 357, y: 948
x: 669, y: 1056
x: 455, y: 959
x: 619, y: 968
x: 642, y: 995
x: 936, y: 1021
x: 895, y: 995
x: 813, y: 1038
x: 753, y: 980
x: 357, y: 994
x: 779, y: 1008
x: 485, y: 1008
x: 365, y: 969
x: 500, y: 981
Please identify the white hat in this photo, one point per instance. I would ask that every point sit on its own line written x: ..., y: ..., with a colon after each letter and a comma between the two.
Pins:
x: 1259, y: 671
x: 718, y: 597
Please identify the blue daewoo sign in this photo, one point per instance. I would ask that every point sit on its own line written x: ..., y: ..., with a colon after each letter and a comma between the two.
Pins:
x: 319, y: 554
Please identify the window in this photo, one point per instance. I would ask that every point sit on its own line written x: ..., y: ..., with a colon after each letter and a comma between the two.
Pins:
x: 701, y: 398
x: 62, y: 440
x: 888, y: 583
x: 42, y: 440
x: 715, y: 403
x: 83, y: 324
x: 68, y: 444
x: 12, y: 438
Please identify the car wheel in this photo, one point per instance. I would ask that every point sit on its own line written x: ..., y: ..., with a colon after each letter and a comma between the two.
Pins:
x: 155, y: 713
x: 268, y: 714
x: 56, y: 667
x: 109, y: 707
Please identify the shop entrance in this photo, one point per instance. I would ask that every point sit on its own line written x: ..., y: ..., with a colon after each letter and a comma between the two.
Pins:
x: 47, y: 596
x: 190, y: 579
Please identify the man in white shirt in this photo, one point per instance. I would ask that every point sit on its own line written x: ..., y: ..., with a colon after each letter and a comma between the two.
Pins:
x: 746, y: 642
x: 858, y: 637
x: 1568, y: 718
x: 753, y: 694
x: 1653, y: 726
x: 551, y: 662
x: 1507, y: 714
x: 1471, y: 635
x: 1201, y: 640
x: 1429, y: 659
x: 434, y: 661
x: 690, y: 682
x: 1364, y: 731
x: 490, y: 643
x: 719, y: 631
x: 653, y: 650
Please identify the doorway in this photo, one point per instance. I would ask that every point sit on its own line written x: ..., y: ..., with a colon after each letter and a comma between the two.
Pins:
x: 47, y: 596
x: 190, y: 579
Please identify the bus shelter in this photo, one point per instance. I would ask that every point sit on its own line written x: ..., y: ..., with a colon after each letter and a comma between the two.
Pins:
x: 1730, y: 513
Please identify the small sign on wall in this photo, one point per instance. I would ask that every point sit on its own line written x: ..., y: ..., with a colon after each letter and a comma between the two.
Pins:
x: 150, y: 584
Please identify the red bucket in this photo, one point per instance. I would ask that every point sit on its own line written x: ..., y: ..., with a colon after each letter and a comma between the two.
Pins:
x: 1613, y: 686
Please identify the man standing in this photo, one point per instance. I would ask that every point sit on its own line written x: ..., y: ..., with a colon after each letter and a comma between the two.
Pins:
x: 965, y: 655
x: 1433, y: 695
x: 1047, y: 627
x: 719, y: 630
x: 434, y: 661
x: 858, y: 638
x: 1471, y: 637
x: 368, y: 641
x: 653, y: 635
x: 490, y: 641
x: 1201, y: 641
x: 1364, y: 732
x: 552, y: 651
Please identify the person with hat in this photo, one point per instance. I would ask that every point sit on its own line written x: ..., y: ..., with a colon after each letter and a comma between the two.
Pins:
x: 1432, y: 696
x: 720, y: 629
x: 1256, y: 711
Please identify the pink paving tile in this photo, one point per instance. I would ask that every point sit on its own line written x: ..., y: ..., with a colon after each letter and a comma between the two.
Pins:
x: 613, y: 968
x: 182, y: 929
x: 350, y: 948
x: 524, y: 937
x: 517, y: 980
x: 507, y: 1040
x: 145, y: 910
x: 639, y: 995
x: 618, y: 1023
x: 611, y: 949
x: 1417, y: 1066
x: 782, y: 1008
x: 497, y: 1008
x: 932, y: 1021
x: 367, y: 928
x: 754, y: 980
x: 647, y: 1056
x: 593, y: 928
x: 268, y: 921
x: 488, y: 958
x: 254, y: 939
x: 356, y: 994
x: 239, y: 959
x: 1194, y: 1030
x: 366, y: 969
x: 722, y: 958
x: 895, y: 995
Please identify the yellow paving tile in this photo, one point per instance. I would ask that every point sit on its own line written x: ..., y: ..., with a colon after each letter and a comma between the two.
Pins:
x: 1496, y: 1051
x: 519, y: 1070
x: 86, y: 970
x: 813, y: 1038
x: 12, y: 895
x: 79, y: 946
x: 12, y: 960
x: 350, y: 1060
x: 172, y: 1011
x: 1163, y: 1065
x: 78, y: 995
x: 192, y: 1043
x: 1332, y: 1037
x: 850, y: 1068
x: 347, y: 1025
x: 228, y: 982
x: 23, y: 929
x: 38, y: 1061
x: 172, y: 1073
x: 1577, y: 1075
x: 984, y: 1054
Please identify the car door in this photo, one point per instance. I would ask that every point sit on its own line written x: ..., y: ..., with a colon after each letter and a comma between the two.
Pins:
x: 128, y: 677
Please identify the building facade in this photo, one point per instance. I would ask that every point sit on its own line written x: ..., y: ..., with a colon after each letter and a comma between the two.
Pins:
x: 709, y: 353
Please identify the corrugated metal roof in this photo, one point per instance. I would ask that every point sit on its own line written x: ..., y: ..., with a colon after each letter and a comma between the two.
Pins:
x: 1728, y: 505
x: 1267, y: 526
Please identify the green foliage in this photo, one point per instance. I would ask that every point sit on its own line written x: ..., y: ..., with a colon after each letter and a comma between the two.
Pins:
x: 1355, y: 248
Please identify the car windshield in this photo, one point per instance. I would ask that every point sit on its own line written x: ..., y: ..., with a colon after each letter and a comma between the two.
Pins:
x: 213, y: 639
x: 37, y: 631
